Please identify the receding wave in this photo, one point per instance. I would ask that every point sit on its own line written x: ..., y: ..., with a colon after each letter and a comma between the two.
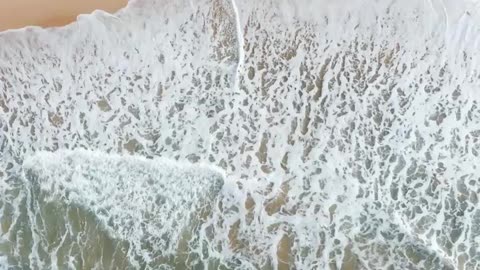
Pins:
x: 346, y: 133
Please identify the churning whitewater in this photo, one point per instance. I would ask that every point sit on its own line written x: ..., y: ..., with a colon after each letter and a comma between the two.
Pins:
x: 229, y: 134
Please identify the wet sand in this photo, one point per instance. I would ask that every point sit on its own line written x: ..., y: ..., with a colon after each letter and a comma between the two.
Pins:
x: 49, y: 13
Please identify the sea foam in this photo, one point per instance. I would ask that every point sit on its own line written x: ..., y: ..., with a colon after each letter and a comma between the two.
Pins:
x: 348, y: 131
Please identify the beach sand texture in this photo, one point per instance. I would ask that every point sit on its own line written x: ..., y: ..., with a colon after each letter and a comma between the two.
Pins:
x: 49, y: 13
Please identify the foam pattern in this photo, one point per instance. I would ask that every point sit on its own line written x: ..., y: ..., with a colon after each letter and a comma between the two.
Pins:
x: 348, y: 131
x: 147, y: 203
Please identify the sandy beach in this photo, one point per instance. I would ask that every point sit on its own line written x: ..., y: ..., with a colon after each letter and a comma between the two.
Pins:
x: 50, y: 13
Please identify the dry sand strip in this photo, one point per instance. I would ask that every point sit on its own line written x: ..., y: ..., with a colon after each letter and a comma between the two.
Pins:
x: 49, y: 13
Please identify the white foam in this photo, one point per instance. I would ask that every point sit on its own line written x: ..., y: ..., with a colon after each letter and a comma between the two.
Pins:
x: 365, y: 114
x: 147, y: 203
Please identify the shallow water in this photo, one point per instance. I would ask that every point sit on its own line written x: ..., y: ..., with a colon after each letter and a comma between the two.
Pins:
x: 346, y: 134
x: 92, y: 210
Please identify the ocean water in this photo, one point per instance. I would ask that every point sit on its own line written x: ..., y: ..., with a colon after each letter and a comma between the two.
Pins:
x: 244, y: 135
x: 96, y: 210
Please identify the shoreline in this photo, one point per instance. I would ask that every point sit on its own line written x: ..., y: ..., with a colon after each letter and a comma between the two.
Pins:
x: 50, y: 13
